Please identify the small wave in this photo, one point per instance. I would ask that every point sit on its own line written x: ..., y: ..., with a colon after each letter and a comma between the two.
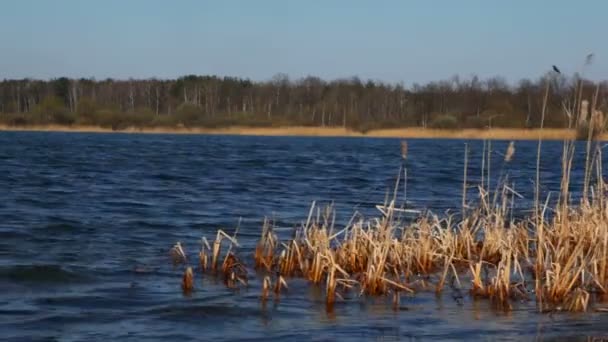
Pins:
x: 129, y: 203
x: 224, y: 311
x: 59, y: 227
x: 43, y: 274
x: 146, y: 223
x: 172, y: 177
x: 14, y: 234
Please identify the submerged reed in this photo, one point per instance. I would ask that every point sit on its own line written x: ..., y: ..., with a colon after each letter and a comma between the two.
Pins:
x: 188, y: 281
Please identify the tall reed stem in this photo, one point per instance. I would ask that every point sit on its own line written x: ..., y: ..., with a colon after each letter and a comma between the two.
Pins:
x: 539, y: 222
x: 464, y: 181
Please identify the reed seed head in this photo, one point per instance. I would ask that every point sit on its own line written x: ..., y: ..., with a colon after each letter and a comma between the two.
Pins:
x: 584, y: 112
x: 597, y: 120
x: 177, y: 254
x: 510, y: 152
x: 404, y: 149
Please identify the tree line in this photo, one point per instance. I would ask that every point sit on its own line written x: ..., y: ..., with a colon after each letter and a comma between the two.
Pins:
x: 212, y: 101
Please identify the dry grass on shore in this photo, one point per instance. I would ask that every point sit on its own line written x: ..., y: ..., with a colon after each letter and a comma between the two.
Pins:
x: 412, y: 133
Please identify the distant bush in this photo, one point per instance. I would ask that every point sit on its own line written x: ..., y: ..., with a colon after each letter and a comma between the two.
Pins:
x: 445, y: 121
x: 108, y: 119
x: 217, y: 122
x: 241, y: 119
x: 367, y: 126
x: 64, y: 118
x: 86, y: 112
x: 141, y: 117
x: 364, y: 127
x: 52, y: 110
x: 17, y: 119
x: 510, y: 121
x: 163, y: 120
x: 188, y: 114
x: 555, y: 121
x: 475, y: 122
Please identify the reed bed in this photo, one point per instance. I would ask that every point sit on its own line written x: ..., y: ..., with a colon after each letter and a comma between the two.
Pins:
x: 558, y: 260
x: 556, y: 257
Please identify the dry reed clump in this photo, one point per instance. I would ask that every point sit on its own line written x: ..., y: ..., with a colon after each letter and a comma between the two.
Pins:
x: 264, y: 251
x: 177, y: 254
x: 232, y: 270
x: 564, y: 256
x: 557, y: 256
x: 560, y: 261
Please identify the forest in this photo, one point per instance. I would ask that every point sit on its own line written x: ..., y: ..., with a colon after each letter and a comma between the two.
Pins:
x: 361, y: 105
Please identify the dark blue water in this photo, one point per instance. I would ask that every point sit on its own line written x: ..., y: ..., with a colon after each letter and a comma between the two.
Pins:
x: 86, y: 222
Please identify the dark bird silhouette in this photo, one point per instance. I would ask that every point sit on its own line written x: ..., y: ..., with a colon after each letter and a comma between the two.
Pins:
x: 556, y: 70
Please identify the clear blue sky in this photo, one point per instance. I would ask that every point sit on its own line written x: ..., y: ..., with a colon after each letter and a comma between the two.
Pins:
x: 409, y: 41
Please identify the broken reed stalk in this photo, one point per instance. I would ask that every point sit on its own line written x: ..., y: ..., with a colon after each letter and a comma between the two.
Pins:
x: 478, y: 285
x: 510, y: 152
x: 404, y: 149
x: 279, y: 284
x: 464, y: 179
x: 489, y: 167
x: 538, y: 150
x: 396, y: 300
x: 538, y: 219
x: 330, y: 289
x: 404, y: 166
x: 177, y: 254
x: 203, y: 255
x: 483, y: 163
x: 446, y: 268
x: 188, y: 281
x: 264, y: 252
x: 592, y: 126
x: 501, y: 184
x: 266, y: 285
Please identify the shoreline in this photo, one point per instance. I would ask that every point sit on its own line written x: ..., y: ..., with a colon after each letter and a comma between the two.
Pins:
x: 411, y: 133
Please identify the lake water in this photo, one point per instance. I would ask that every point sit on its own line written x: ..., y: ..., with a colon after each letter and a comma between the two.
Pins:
x: 81, y: 215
